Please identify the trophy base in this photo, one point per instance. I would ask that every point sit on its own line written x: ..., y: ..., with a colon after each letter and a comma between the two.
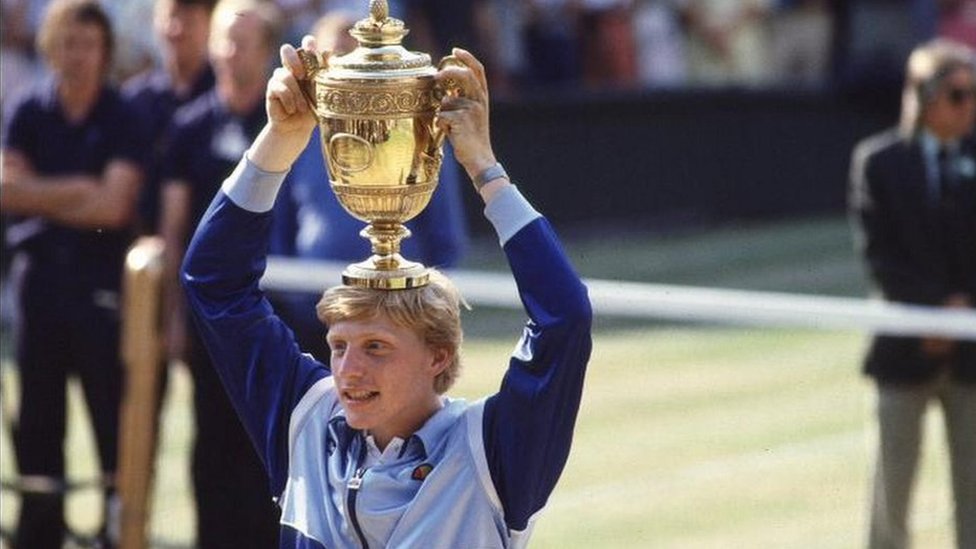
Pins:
x: 385, y: 274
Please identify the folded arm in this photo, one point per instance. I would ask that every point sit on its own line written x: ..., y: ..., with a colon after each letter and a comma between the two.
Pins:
x: 106, y: 201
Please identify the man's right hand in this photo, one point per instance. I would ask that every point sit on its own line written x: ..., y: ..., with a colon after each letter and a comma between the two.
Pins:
x: 290, y: 118
x: 937, y: 347
x: 288, y: 109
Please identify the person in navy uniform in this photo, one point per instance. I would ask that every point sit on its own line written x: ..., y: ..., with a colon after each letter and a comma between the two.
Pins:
x: 183, y: 27
x: 913, y: 197
x: 207, y: 137
x: 72, y: 169
x: 368, y: 452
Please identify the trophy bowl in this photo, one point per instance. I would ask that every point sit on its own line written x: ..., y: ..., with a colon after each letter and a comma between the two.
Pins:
x: 375, y: 108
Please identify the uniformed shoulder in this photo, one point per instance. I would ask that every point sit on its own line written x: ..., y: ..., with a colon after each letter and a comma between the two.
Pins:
x: 33, y: 99
x: 146, y: 84
x: 113, y: 96
x: 197, y: 112
x: 879, y: 144
x: 29, y: 112
x: 113, y: 109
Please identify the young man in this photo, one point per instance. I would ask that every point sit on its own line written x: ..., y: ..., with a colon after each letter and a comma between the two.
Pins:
x: 72, y: 169
x: 914, y: 197
x: 370, y: 453
x: 183, y: 29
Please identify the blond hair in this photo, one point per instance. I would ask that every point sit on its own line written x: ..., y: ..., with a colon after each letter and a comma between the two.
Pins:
x: 60, y: 13
x: 432, y: 311
x: 927, y: 68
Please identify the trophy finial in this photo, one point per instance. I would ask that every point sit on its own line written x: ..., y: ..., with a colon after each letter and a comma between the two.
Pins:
x: 379, y: 10
x: 379, y: 29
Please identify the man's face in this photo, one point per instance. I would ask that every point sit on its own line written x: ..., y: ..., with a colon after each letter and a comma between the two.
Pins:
x: 185, y: 28
x: 79, y: 53
x: 238, y: 50
x: 384, y: 374
x: 952, y: 112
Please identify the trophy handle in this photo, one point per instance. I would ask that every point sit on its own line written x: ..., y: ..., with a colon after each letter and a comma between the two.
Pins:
x: 443, y: 89
x: 449, y: 86
x: 312, y: 67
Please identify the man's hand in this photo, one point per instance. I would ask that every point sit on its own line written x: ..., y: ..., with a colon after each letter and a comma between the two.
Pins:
x: 288, y: 109
x: 464, y: 116
x: 937, y: 347
x: 15, y: 170
x: 16, y: 167
x: 290, y: 117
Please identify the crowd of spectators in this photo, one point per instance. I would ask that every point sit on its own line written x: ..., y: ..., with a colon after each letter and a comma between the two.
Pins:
x: 605, y: 44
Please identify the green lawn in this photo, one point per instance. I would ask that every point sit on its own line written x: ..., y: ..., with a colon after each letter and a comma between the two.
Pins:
x: 688, y: 436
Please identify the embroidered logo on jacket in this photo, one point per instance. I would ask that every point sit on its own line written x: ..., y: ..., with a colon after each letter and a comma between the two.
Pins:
x: 421, y: 472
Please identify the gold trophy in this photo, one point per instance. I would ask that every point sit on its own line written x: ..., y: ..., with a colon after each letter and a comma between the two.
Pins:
x: 375, y: 108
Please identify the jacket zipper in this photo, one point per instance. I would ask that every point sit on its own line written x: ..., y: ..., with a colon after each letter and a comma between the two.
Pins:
x: 353, y: 491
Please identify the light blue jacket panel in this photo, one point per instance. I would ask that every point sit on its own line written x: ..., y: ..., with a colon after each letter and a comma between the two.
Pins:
x: 438, y: 493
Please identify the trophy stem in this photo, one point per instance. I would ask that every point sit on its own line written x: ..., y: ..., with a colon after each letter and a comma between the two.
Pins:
x: 385, y: 237
x: 386, y: 269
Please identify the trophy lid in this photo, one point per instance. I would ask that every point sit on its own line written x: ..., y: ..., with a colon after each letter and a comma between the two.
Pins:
x: 380, y: 55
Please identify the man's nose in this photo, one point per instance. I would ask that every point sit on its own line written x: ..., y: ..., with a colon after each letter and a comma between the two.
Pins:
x: 351, y: 364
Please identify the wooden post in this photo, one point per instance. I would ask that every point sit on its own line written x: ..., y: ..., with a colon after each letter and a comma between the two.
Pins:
x: 142, y: 355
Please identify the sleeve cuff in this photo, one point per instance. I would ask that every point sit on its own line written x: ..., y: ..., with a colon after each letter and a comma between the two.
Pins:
x: 509, y: 211
x: 252, y: 188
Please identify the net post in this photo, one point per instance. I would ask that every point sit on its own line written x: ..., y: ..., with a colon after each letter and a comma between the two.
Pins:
x: 142, y: 355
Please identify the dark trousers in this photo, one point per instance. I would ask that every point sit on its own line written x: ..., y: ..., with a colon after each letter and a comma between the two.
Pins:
x: 234, y: 505
x: 60, y: 333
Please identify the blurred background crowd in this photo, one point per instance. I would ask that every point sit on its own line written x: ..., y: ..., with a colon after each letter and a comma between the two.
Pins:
x: 533, y: 45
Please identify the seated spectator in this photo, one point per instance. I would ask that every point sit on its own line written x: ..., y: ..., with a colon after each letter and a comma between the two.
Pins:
x: 550, y: 44
x: 438, y: 26
x: 660, y: 44
x: 728, y: 41
x: 606, y: 42
x: 801, y: 37
x: 957, y: 20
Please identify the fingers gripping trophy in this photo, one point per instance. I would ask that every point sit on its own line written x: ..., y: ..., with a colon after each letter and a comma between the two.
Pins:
x: 376, y: 109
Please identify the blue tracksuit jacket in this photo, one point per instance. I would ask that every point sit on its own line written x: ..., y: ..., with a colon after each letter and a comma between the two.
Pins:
x: 475, y: 475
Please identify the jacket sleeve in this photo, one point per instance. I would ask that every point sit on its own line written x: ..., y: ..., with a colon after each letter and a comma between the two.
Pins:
x: 255, y: 354
x: 893, y: 270
x: 528, y: 424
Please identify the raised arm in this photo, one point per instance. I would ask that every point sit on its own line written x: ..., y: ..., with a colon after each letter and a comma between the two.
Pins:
x: 528, y: 425
x: 255, y: 354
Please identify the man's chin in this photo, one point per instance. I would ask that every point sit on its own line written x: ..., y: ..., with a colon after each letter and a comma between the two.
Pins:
x: 357, y: 420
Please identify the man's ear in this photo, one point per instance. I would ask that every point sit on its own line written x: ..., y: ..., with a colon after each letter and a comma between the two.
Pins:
x: 440, y: 359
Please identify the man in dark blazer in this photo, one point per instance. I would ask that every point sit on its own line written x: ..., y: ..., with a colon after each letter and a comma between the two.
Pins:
x: 913, y: 197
